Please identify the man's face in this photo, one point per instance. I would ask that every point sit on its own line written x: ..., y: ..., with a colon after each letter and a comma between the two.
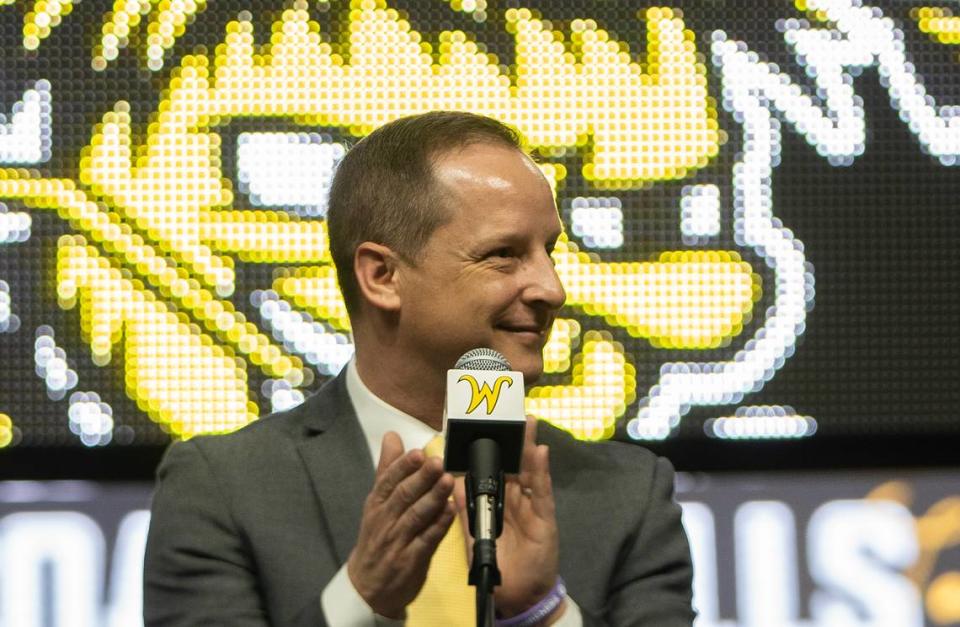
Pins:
x: 485, y: 278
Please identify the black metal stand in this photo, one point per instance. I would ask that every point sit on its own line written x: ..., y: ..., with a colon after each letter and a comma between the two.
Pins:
x: 485, y: 497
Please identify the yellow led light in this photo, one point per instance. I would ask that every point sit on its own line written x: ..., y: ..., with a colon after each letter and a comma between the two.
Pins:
x: 162, y: 229
x: 176, y: 197
x: 167, y: 23
x: 939, y: 23
x: 564, y: 337
x: 685, y: 299
x: 603, y: 384
x: 40, y: 19
x: 316, y: 291
x: 554, y: 173
x: 176, y: 375
x: 104, y: 227
x: 6, y: 430
x: 943, y: 598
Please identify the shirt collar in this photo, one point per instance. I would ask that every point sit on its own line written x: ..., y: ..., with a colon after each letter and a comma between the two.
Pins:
x: 376, y: 417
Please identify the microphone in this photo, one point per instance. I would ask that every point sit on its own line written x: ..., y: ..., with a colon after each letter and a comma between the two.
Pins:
x: 485, y: 399
x: 484, y: 424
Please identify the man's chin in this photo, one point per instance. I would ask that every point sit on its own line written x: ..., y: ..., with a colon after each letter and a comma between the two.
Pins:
x: 531, y: 377
x: 531, y: 367
x: 523, y: 354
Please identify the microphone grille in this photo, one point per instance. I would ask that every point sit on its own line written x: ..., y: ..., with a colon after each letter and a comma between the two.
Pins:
x: 482, y: 359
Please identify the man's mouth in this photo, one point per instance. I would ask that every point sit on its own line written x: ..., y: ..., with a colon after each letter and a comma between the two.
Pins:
x: 525, y: 329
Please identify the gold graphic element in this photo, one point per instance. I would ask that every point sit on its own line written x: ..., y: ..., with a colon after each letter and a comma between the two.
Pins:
x: 158, y: 229
x: 647, y: 123
x: 484, y: 393
x: 6, y: 430
x: 181, y: 379
x: 555, y: 173
x: 477, y: 8
x: 41, y: 18
x: 943, y: 599
x: 564, y: 337
x: 315, y: 290
x: 168, y: 21
x: 685, y: 299
x: 938, y: 22
x: 937, y: 530
x: 173, y: 282
x: 603, y: 385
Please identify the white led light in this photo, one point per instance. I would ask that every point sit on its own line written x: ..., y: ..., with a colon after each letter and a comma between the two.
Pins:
x: 768, y: 590
x: 126, y: 582
x: 598, y: 222
x: 90, y: 418
x: 682, y: 385
x: 9, y: 322
x: 14, y: 225
x: 26, y: 138
x: 57, y: 556
x: 281, y: 394
x: 699, y: 213
x: 288, y: 170
x: 700, y: 526
x: 860, y: 549
x: 51, y: 364
x: 761, y: 423
x: 316, y: 342
x: 833, y: 122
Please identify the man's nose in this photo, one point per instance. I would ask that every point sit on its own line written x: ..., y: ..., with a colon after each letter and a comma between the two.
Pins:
x: 545, y: 286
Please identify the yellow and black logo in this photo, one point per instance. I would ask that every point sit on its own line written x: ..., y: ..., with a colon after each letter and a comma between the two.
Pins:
x: 484, y: 393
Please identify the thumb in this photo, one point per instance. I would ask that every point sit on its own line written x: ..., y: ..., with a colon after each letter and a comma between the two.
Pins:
x: 391, y: 449
x: 460, y: 494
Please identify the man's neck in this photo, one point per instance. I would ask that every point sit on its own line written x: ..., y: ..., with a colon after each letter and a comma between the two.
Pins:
x: 392, y: 380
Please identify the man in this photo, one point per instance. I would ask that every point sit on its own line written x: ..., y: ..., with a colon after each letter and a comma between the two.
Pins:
x: 441, y: 229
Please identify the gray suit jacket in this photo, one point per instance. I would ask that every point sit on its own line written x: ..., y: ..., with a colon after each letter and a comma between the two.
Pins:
x: 248, y: 528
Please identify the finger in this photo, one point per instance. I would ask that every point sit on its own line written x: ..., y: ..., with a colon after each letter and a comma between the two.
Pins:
x: 460, y: 493
x: 396, y: 472
x: 528, y: 456
x: 391, y: 448
x: 426, y: 543
x: 424, y: 511
x: 417, y: 485
x: 542, y: 484
x: 517, y: 506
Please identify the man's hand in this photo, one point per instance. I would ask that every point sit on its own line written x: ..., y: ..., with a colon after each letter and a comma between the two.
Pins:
x: 528, y: 549
x: 405, y: 517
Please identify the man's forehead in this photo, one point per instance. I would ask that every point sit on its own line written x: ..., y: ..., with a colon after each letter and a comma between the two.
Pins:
x: 484, y: 163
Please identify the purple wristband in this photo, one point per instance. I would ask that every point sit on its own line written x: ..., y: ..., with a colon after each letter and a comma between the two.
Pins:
x: 541, y: 610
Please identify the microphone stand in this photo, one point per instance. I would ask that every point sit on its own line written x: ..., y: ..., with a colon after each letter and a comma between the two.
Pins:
x: 485, y: 496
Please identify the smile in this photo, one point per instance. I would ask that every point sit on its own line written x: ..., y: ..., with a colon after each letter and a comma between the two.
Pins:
x: 531, y: 330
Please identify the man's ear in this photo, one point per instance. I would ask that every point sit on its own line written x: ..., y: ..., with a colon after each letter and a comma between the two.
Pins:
x: 375, y: 267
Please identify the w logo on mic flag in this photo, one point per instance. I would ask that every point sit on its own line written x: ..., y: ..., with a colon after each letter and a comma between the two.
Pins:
x: 484, y: 392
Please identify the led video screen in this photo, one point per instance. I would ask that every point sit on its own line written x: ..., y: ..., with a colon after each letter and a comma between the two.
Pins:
x: 759, y: 202
x: 799, y: 549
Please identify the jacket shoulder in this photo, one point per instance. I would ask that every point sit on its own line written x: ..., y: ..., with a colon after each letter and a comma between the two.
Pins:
x: 605, y: 456
x: 272, y: 435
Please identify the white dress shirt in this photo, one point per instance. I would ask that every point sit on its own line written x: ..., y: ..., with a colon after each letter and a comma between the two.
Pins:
x: 342, y: 604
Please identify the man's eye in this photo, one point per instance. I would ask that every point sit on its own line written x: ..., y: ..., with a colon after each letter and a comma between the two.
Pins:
x: 501, y: 252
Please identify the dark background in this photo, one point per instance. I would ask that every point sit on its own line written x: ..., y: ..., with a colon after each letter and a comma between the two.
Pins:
x: 876, y: 366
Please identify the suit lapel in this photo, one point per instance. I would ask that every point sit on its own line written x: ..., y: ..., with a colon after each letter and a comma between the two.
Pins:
x: 339, y: 465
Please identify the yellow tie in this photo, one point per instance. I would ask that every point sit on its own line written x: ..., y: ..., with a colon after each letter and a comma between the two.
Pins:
x: 445, y: 599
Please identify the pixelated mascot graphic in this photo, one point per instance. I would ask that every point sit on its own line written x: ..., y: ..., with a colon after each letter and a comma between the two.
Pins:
x: 150, y: 262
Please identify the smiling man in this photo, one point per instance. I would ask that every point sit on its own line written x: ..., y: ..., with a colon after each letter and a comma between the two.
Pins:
x: 333, y: 513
